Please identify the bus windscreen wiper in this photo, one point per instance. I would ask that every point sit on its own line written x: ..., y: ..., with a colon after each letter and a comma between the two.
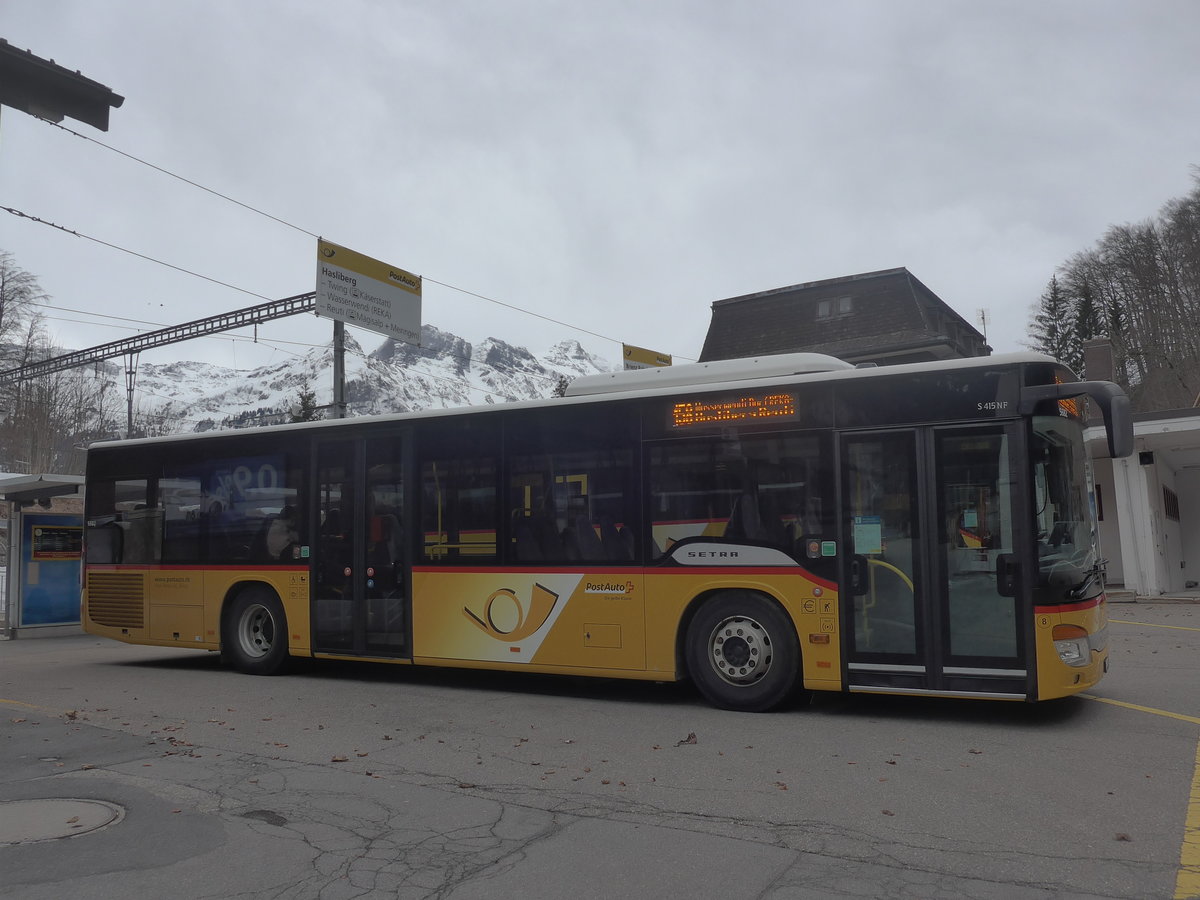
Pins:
x: 1093, y: 574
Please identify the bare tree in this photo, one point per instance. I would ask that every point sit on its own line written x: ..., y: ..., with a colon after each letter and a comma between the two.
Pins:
x: 19, y: 295
x: 1140, y: 284
x: 47, y: 421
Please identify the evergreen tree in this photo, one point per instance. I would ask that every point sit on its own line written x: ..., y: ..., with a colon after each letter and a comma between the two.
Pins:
x: 560, y: 389
x: 306, y: 410
x: 1088, y: 322
x: 1053, y: 329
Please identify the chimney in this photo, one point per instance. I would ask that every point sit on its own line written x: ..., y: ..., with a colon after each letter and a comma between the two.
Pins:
x: 1098, y: 359
x: 1097, y: 366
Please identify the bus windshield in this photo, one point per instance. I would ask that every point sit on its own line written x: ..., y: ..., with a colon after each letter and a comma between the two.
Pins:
x: 1066, y: 540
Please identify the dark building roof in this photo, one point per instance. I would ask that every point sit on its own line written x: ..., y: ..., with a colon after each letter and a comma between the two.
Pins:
x: 886, y: 317
x: 43, y: 88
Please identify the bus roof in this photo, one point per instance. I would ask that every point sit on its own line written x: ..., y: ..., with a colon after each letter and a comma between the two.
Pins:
x: 714, y: 372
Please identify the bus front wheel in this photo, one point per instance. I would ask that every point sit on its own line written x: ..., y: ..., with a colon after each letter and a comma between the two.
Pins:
x: 254, y: 632
x: 742, y: 652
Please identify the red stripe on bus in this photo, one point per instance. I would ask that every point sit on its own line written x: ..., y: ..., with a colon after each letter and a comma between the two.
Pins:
x: 526, y: 570
x: 158, y: 567
x: 1071, y: 607
x: 665, y: 570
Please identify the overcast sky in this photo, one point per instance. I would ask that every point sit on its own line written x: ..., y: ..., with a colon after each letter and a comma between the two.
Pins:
x: 617, y: 166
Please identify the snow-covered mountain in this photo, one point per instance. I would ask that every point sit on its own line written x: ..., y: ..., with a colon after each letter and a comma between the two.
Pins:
x: 445, y: 371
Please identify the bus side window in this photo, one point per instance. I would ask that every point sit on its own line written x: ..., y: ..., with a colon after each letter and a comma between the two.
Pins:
x: 458, y: 510
x: 143, y: 535
x: 104, y: 543
x: 122, y: 525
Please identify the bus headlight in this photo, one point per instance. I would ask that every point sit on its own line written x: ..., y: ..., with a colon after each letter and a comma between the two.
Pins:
x: 1071, y: 642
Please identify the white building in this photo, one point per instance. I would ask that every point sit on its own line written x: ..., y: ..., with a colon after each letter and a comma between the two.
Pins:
x: 1149, y: 505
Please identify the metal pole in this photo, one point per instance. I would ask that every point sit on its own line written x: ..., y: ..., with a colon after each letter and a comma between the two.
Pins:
x: 131, y: 361
x: 339, y: 369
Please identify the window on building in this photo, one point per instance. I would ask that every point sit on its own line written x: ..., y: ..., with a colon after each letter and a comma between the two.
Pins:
x: 1171, y: 504
x: 836, y: 308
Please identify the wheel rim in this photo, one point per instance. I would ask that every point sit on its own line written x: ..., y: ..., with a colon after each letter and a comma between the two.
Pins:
x: 740, y: 651
x: 256, y: 631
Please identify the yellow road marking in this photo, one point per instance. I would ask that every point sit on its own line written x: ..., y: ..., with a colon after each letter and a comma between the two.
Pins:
x: 1187, y: 882
x: 1153, y: 625
x: 42, y: 709
x: 1146, y: 709
x: 18, y: 703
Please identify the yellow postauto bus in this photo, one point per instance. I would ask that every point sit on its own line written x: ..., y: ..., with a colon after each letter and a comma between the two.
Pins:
x: 763, y: 527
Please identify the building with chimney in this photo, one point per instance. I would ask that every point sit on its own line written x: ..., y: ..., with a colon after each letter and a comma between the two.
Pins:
x: 887, y: 318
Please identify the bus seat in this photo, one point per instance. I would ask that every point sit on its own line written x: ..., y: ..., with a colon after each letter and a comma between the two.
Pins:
x: 571, y: 545
x: 591, y: 545
x: 628, y: 541
x: 744, y: 520
x: 614, y: 547
x: 258, y: 543
x: 527, y: 547
x: 385, y: 541
x: 548, y: 538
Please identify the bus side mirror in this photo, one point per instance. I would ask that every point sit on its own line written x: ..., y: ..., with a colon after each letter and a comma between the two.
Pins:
x: 1006, y: 575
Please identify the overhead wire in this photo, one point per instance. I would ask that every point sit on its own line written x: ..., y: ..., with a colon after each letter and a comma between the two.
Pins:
x: 234, y: 337
x: 171, y: 174
x: 80, y: 234
x: 313, y: 234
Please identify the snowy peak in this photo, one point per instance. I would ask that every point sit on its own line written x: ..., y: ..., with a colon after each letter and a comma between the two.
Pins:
x: 569, y: 356
x: 445, y: 371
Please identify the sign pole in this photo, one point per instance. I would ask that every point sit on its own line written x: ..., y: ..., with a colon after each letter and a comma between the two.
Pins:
x: 367, y: 293
x: 339, y: 369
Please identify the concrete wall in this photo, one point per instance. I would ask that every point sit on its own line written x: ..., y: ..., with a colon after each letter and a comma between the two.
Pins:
x: 1187, y: 485
x: 1172, y: 549
x: 1110, y: 526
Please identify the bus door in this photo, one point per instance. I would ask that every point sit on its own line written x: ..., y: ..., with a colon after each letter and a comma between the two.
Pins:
x: 929, y: 521
x: 360, y: 568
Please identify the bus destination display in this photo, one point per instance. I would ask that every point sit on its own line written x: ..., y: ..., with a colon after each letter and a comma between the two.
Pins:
x: 746, y: 408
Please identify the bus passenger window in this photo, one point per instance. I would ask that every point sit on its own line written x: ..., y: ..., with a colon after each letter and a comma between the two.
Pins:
x: 122, y: 526
x: 458, y: 511
x: 572, y: 507
x: 228, y: 509
x: 761, y: 490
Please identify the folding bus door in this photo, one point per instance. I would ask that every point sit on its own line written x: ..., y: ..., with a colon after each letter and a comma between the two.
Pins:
x: 928, y: 519
x: 360, y: 559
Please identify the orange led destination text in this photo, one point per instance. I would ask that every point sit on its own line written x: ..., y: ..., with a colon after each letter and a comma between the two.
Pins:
x: 771, y: 406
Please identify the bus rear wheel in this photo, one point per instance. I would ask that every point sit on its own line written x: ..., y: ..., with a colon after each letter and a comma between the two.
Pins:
x: 742, y: 652
x: 254, y: 632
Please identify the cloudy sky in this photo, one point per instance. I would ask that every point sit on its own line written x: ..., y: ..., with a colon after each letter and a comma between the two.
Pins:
x: 615, y: 165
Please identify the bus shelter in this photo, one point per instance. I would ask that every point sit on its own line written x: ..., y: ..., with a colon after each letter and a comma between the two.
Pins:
x: 44, y: 555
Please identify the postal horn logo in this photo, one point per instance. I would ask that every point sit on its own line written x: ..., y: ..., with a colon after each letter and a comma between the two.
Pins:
x: 507, y: 617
